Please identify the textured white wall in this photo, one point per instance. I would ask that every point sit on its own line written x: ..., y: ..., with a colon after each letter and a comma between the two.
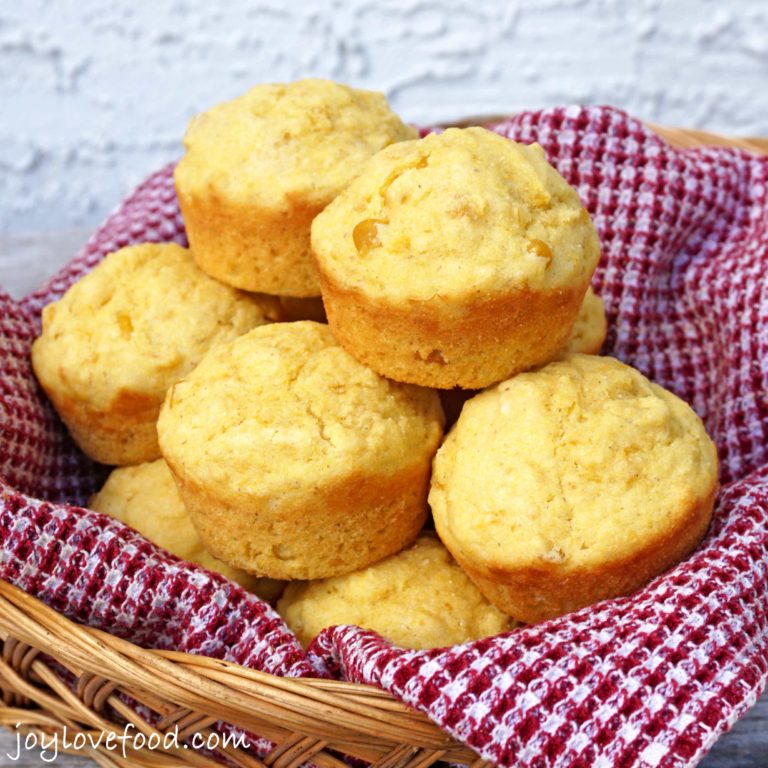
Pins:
x: 97, y: 93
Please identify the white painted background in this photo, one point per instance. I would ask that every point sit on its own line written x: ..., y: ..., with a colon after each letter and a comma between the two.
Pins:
x: 96, y: 93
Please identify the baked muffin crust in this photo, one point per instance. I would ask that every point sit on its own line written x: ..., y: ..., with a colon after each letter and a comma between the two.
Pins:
x: 455, y: 260
x: 294, y: 460
x: 590, y: 328
x: 593, y: 481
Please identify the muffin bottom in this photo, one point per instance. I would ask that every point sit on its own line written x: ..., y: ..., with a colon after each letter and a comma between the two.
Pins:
x: 328, y: 531
x: 535, y: 594
x: 435, y: 343
x: 125, y: 433
x: 258, y: 250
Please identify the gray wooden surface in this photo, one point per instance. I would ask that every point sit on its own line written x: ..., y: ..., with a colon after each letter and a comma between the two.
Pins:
x: 25, y: 262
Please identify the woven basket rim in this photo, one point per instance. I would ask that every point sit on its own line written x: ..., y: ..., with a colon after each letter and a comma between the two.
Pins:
x: 303, y: 716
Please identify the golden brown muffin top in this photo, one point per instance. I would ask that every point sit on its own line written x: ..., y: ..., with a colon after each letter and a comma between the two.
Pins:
x: 285, y: 402
x: 580, y: 462
x: 418, y: 598
x: 284, y: 144
x: 145, y: 498
x: 140, y: 320
x: 462, y: 213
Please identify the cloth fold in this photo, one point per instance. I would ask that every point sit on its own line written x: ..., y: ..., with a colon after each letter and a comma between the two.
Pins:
x: 646, y: 680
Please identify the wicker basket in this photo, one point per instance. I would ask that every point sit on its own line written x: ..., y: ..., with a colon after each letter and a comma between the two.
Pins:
x: 316, y: 720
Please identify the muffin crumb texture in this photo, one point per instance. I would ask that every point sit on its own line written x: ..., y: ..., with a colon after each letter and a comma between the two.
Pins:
x: 304, y: 139
x: 458, y: 213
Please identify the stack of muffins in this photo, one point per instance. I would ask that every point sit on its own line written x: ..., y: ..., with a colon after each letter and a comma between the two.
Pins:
x: 257, y: 440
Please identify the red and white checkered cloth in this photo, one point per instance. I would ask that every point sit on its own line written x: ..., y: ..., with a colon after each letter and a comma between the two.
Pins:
x: 647, y: 680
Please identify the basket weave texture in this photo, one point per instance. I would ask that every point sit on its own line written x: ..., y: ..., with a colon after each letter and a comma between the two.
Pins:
x: 647, y: 680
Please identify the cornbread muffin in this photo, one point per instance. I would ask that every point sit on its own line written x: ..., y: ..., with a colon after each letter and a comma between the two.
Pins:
x: 589, y: 331
x: 418, y: 598
x: 294, y: 460
x: 459, y: 259
x: 259, y: 168
x: 593, y: 481
x: 145, y: 498
x: 119, y: 337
